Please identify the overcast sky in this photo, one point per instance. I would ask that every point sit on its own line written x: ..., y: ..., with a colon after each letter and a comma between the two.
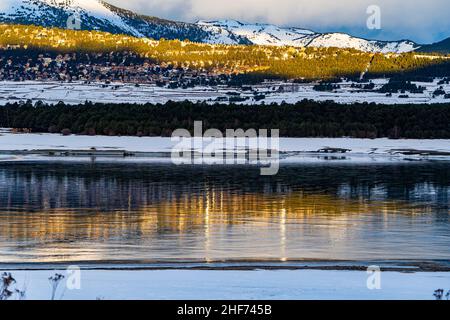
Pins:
x: 419, y: 20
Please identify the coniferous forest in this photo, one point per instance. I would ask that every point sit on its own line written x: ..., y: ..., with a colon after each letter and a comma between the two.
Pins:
x: 303, y: 119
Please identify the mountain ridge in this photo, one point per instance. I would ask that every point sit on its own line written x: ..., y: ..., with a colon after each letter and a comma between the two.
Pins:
x: 267, y: 34
x: 102, y: 16
x: 442, y: 47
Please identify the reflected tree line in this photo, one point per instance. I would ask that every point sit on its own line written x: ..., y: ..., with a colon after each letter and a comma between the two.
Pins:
x: 109, y: 187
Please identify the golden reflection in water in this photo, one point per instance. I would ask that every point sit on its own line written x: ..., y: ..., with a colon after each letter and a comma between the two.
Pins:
x: 283, y: 235
x: 192, y: 212
x: 213, y: 224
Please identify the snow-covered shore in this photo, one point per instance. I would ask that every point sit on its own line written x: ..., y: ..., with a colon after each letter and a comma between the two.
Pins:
x: 47, y: 141
x: 227, y: 285
x: 292, y: 149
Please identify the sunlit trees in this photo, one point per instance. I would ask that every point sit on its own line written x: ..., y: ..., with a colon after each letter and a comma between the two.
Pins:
x: 282, y: 62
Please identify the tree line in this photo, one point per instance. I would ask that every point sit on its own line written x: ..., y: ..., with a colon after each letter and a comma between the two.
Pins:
x: 303, y: 119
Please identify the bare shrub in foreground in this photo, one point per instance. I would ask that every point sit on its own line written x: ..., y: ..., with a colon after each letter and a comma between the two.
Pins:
x: 55, y: 281
x: 5, y: 286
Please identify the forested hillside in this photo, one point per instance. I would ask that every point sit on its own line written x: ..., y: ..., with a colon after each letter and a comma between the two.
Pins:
x: 282, y: 62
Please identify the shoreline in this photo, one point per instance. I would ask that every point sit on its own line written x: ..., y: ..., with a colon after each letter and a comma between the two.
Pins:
x: 414, y: 266
x: 45, y: 146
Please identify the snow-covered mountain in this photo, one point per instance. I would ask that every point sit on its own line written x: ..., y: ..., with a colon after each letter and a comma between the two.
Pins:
x: 266, y: 34
x: 100, y: 15
x: 260, y: 34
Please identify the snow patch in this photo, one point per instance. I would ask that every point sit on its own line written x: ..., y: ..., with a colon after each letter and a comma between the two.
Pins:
x: 233, y: 285
x: 271, y: 35
x: 78, y: 92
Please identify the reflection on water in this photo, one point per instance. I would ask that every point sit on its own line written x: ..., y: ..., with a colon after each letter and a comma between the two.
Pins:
x: 135, y: 212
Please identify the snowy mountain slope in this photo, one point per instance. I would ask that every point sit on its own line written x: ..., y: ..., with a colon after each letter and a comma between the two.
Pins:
x: 55, y: 13
x: 100, y: 15
x: 266, y: 34
x: 341, y: 40
x: 261, y: 34
x: 160, y: 28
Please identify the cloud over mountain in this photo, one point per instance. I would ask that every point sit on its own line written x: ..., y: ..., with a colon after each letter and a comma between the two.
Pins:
x: 422, y: 21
